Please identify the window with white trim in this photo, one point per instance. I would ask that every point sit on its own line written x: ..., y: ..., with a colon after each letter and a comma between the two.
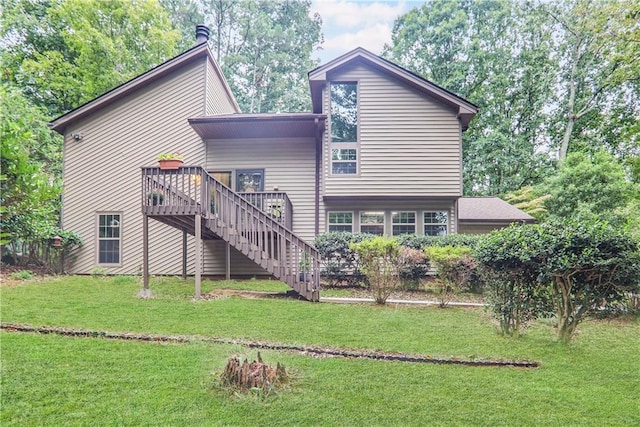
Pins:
x: 344, y: 128
x: 403, y: 223
x: 340, y: 221
x: 372, y: 223
x: 436, y: 223
x: 109, y: 238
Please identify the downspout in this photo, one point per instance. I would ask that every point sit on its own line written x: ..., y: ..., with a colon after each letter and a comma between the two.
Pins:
x: 317, y: 189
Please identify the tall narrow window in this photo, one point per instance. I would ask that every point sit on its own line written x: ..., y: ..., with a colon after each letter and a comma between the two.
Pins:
x: 403, y: 223
x: 109, y: 236
x: 436, y: 223
x: 341, y: 221
x: 372, y: 223
x: 344, y: 128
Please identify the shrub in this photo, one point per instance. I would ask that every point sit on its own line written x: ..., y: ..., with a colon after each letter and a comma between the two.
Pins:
x: 339, y: 261
x: 414, y: 266
x: 454, y: 267
x: 581, y: 268
x: 421, y: 242
x: 21, y: 275
x: 380, y: 262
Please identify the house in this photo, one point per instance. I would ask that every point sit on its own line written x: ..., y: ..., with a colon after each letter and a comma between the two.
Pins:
x: 380, y: 152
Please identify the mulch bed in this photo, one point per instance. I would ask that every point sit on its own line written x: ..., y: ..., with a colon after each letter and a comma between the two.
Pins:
x: 300, y: 349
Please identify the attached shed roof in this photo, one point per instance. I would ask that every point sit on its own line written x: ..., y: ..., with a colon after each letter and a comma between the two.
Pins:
x: 319, y: 76
x: 490, y: 210
x: 231, y: 126
x: 199, y: 51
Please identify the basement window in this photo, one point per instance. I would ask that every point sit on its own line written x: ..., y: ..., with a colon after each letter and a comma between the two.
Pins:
x: 109, y: 239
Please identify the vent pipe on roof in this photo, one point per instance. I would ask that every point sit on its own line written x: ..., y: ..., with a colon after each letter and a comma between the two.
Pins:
x: 202, y: 34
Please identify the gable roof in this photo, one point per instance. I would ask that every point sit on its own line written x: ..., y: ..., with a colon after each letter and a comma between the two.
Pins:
x: 490, y: 210
x: 201, y: 50
x: 318, y: 78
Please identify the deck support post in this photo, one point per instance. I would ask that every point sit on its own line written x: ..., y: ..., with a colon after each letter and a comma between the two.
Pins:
x: 145, y: 292
x: 184, y: 254
x: 228, y: 261
x: 198, y: 263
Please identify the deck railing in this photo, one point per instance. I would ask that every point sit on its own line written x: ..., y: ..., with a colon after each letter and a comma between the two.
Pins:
x: 257, y: 224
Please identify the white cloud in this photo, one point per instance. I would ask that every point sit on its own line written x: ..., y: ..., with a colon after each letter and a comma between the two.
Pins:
x: 371, y: 38
x: 349, y: 24
x: 349, y: 14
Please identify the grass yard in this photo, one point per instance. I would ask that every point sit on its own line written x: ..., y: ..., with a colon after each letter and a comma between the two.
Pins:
x: 55, y: 380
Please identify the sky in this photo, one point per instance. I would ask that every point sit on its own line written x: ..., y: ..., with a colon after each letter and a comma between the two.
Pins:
x: 348, y: 24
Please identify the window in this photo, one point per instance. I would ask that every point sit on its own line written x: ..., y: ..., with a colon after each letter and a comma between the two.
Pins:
x: 223, y: 177
x: 403, y: 223
x: 341, y: 221
x: 436, y: 223
x: 372, y: 222
x: 343, y: 161
x: 249, y: 180
x: 109, y: 239
x: 344, y: 128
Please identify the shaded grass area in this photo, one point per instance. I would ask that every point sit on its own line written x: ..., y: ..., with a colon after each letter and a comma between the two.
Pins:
x: 53, y: 380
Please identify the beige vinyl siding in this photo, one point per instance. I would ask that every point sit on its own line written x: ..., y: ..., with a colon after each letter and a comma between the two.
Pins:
x: 471, y: 228
x: 409, y: 144
x: 102, y: 170
x: 217, y: 98
x: 288, y: 164
x: 215, y: 257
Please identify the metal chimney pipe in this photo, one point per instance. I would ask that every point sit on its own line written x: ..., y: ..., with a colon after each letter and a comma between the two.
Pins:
x: 202, y: 34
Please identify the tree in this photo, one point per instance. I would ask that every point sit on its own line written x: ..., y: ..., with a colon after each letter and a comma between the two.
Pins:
x: 599, y: 55
x: 379, y: 259
x: 548, y: 77
x: 479, y: 50
x: 264, y: 48
x: 63, y: 53
x: 588, y: 185
x: 30, y: 186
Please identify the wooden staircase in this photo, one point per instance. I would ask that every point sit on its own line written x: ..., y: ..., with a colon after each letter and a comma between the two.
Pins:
x: 261, y: 233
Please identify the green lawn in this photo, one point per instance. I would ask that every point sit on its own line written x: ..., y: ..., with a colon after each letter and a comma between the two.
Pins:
x: 54, y: 380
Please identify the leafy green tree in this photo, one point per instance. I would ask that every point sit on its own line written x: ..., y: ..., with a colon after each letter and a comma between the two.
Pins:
x: 264, y: 48
x: 30, y: 187
x: 497, y: 55
x: 63, y: 53
x: 380, y: 262
x: 587, y: 186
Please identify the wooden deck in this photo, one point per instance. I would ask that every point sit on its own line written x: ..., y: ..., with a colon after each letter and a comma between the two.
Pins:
x: 256, y: 224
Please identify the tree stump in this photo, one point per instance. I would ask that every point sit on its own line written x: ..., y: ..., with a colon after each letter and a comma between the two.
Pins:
x: 252, y: 375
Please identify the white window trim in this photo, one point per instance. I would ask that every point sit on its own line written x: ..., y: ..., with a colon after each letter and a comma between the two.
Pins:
x: 384, y: 220
x: 415, y: 221
x: 353, y: 219
x: 98, y: 238
x: 425, y: 224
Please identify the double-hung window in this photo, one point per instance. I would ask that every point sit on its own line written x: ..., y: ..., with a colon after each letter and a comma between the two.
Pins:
x: 344, y: 128
x: 403, y: 223
x: 372, y: 223
x: 341, y: 221
x: 109, y: 238
x: 436, y: 223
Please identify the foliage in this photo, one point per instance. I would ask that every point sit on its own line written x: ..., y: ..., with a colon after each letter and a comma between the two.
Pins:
x: 65, y: 53
x: 528, y: 199
x: 264, y: 47
x: 414, y: 266
x: 547, y: 76
x: 589, y: 266
x: 21, y: 275
x: 588, y: 186
x: 29, y: 162
x: 420, y: 241
x: 511, y: 276
x: 380, y: 262
x: 174, y: 155
x: 455, y: 269
x: 583, y: 267
x: 339, y: 262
